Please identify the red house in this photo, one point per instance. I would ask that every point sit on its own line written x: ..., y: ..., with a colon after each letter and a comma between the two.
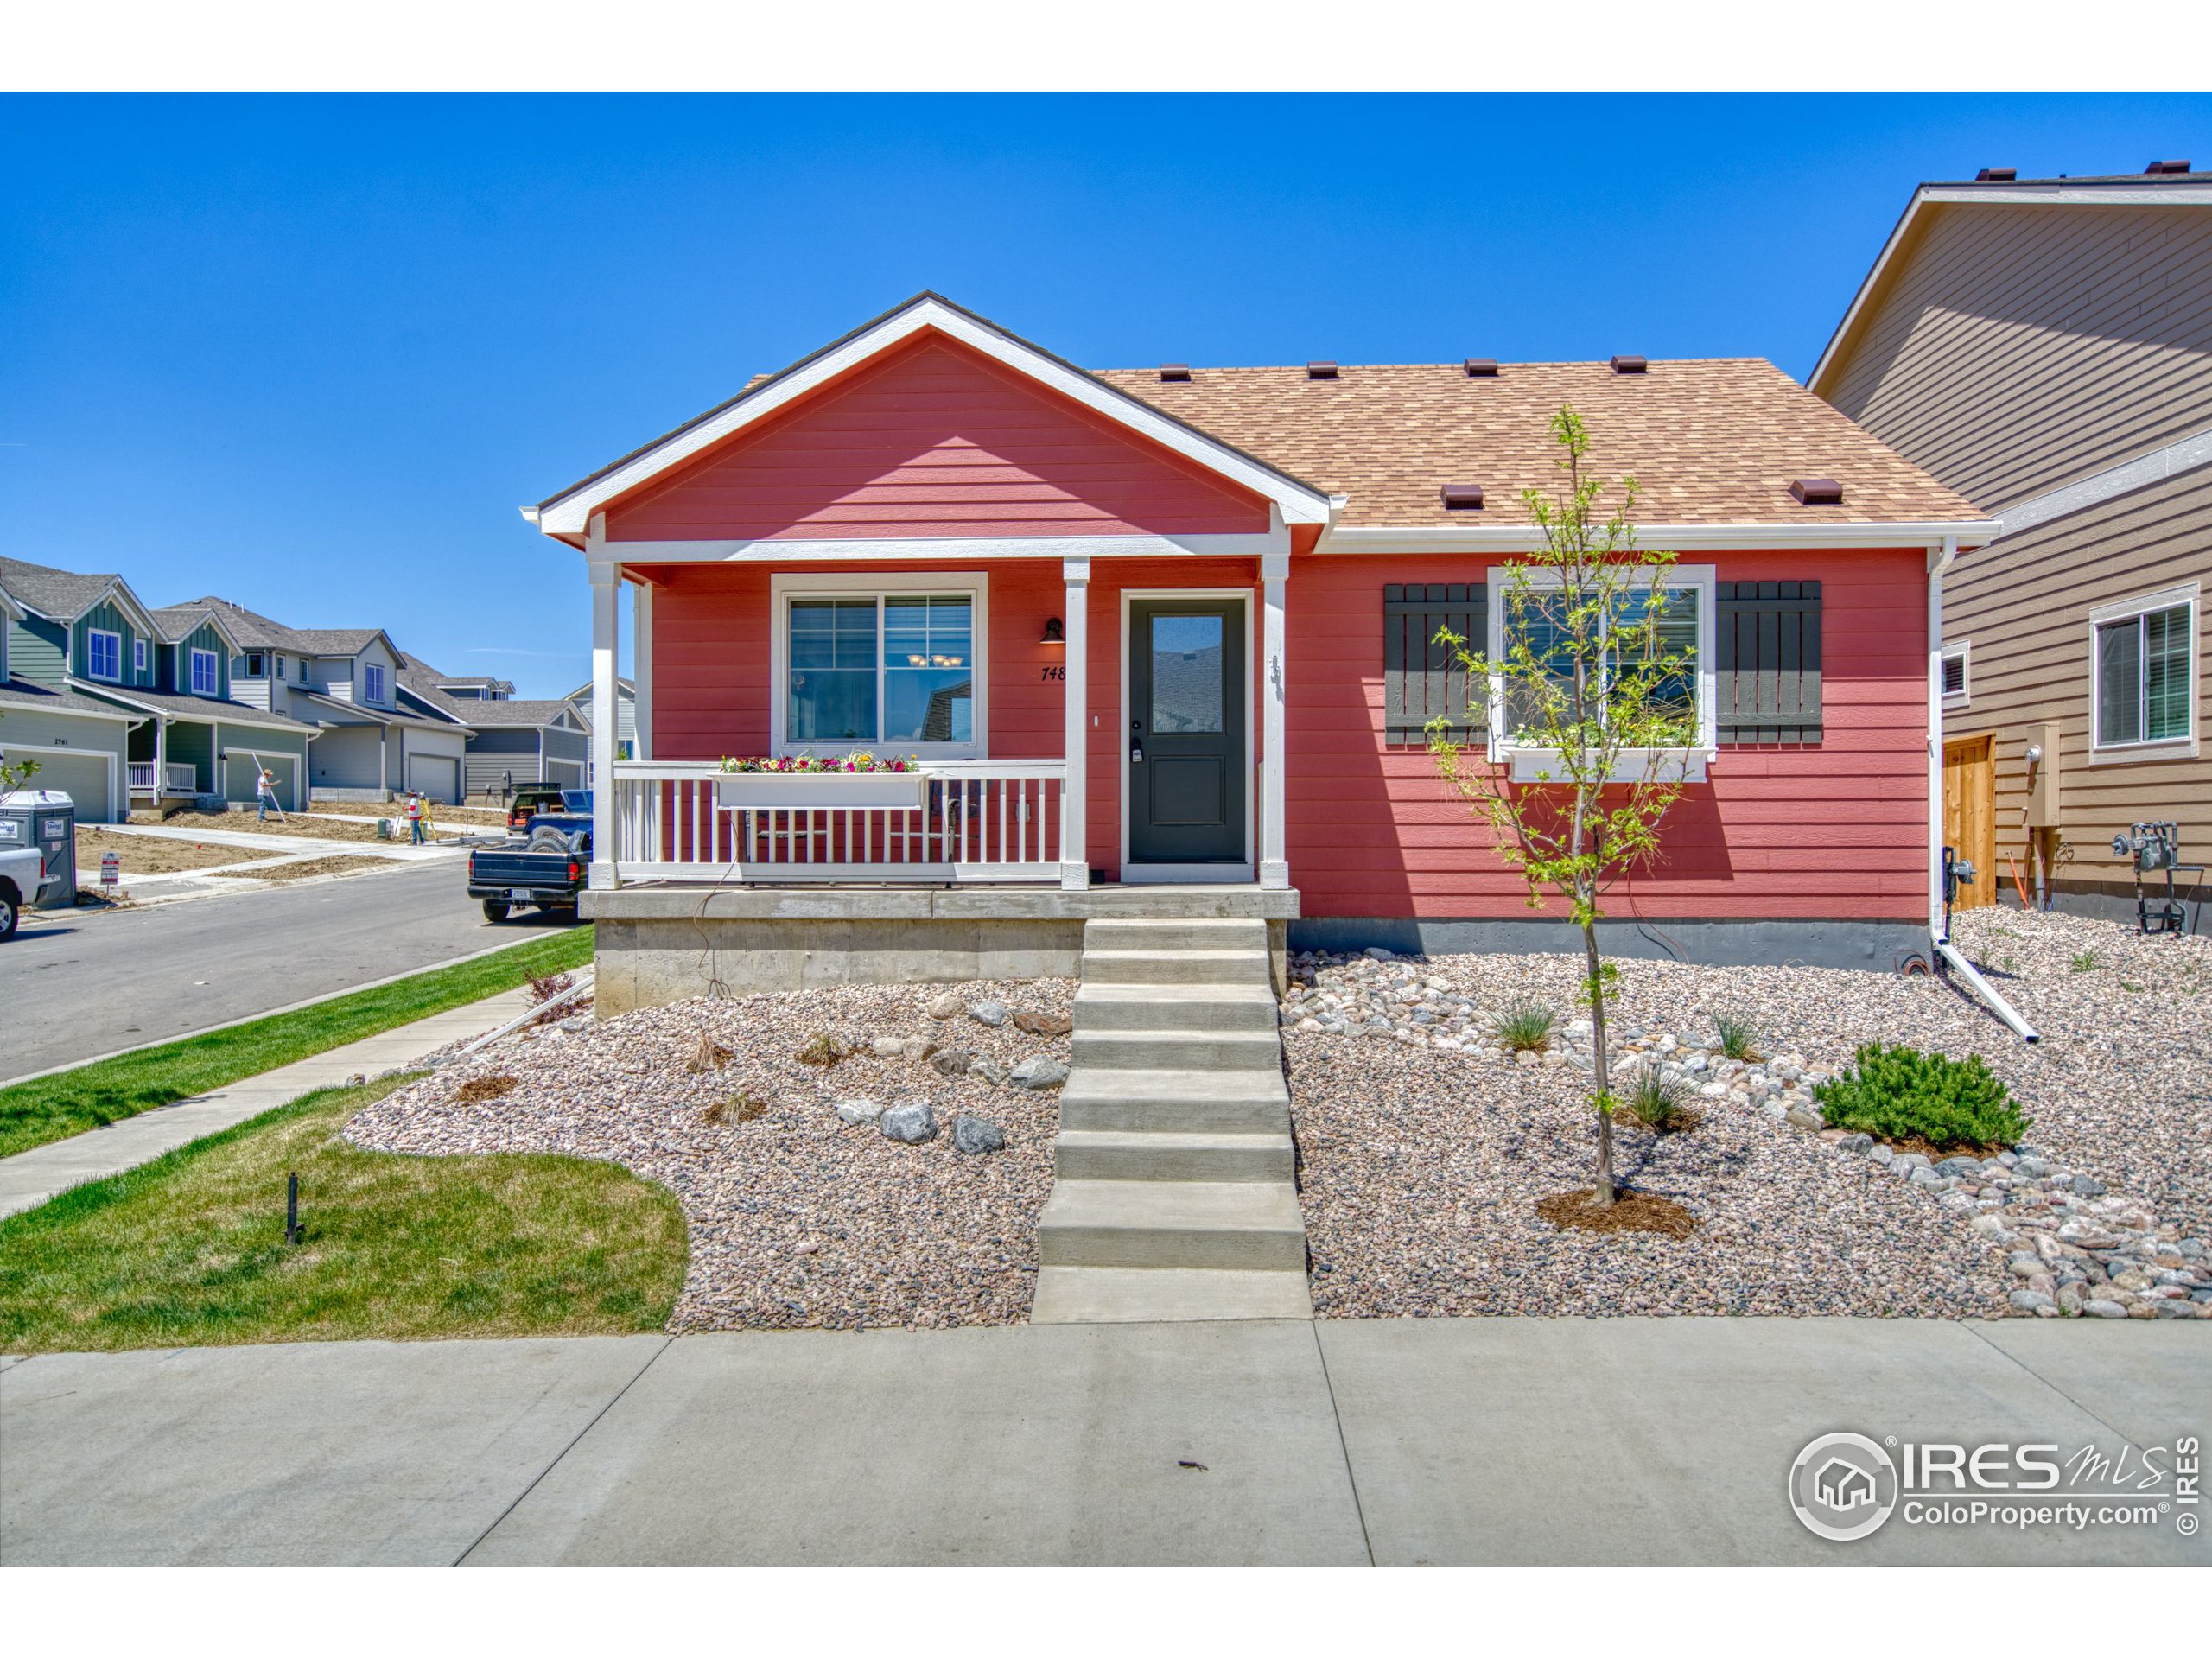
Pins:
x: 1159, y: 642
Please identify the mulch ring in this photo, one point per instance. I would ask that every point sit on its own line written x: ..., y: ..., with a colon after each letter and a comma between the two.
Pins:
x: 1630, y: 1213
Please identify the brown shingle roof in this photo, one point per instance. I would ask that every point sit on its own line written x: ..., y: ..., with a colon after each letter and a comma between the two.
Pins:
x: 1711, y: 440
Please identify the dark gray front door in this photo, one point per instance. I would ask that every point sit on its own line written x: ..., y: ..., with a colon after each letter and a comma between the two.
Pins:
x: 1187, y: 764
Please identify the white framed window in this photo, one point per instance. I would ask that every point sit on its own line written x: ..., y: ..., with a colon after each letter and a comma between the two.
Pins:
x: 373, y: 682
x: 205, y: 681
x: 256, y: 665
x: 138, y: 657
x: 895, y: 663
x: 1685, y: 627
x: 1958, y: 674
x: 2143, y: 657
x: 103, y: 654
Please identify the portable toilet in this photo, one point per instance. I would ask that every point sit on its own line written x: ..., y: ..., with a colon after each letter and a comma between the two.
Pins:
x: 46, y: 819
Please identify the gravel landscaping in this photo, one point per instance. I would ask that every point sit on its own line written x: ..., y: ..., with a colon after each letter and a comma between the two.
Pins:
x: 815, y: 1195
x: 1424, y: 1148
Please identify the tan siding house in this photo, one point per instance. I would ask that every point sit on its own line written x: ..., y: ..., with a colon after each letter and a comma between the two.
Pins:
x: 2046, y: 349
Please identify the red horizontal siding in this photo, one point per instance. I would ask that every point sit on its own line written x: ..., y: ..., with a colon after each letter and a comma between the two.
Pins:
x: 1836, y: 829
x: 935, y: 439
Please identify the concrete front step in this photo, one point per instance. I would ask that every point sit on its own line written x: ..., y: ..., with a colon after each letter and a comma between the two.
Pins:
x: 1100, y: 933
x: 1193, y: 1102
x: 1182, y: 1007
x: 1240, y: 966
x: 1151, y: 1155
x: 1256, y: 1051
x: 1247, y: 1226
x: 1142, y: 1295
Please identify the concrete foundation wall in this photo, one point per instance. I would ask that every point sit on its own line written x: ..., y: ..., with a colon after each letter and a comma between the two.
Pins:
x: 1878, y: 946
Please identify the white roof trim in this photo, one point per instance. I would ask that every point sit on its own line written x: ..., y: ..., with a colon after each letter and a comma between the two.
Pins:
x: 568, y: 514
x: 367, y: 716
x: 938, y: 548
x: 219, y: 714
x: 2183, y: 455
x: 119, y: 591
x: 2056, y: 194
x: 1685, y: 539
x: 8, y: 604
x: 206, y: 615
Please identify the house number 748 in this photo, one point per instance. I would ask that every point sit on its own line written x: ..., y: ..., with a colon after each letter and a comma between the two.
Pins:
x: 1054, y: 671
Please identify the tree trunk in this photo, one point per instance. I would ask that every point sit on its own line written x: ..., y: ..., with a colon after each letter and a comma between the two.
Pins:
x: 1602, y: 1074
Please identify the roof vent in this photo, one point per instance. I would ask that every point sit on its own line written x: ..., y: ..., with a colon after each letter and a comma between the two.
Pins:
x: 1174, y: 370
x: 2167, y: 166
x: 1461, y: 498
x: 1628, y: 366
x: 1319, y: 371
x: 1817, y: 492
x: 1997, y: 175
x: 1482, y: 368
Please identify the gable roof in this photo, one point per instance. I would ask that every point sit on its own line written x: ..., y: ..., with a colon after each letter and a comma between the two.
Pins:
x: 519, y: 711
x: 228, y: 711
x: 1710, y: 441
x: 65, y: 596
x: 624, y: 686
x: 420, y: 682
x: 566, y: 513
x: 2107, y: 190
x: 252, y: 630
x: 177, y: 622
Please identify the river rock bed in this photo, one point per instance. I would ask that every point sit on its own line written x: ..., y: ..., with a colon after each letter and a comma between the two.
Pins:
x: 1425, y: 1143
x: 803, y: 1210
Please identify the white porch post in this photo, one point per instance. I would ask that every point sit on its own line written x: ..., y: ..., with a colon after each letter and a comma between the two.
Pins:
x: 604, y: 577
x: 641, y: 666
x: 1075, y: 798
x: 1275, y: 866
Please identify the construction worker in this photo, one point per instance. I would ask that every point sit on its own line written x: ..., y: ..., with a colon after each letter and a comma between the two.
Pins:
x: 414, y: 817
x: 264, y: 793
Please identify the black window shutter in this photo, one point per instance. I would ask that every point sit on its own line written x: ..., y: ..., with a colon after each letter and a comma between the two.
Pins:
x: 1421, y: 678
x: 1767, y: 684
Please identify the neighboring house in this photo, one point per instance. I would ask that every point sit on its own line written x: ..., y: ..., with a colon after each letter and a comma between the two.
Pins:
x: 512, y: 740
x: 89, y: 634
x: 80, y: 744
x: 1175, y: 626
x: 370, y: 742
x: 2045, y: 347
x: 626, y: 716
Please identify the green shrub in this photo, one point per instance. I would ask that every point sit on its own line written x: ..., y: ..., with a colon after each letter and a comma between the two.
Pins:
x: 1524, y: 1026
x: 1660, y: 1103
x: 1901, y: 1094
x: 1739, y: 1038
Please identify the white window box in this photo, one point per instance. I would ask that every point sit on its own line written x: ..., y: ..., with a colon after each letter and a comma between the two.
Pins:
x: 1634, y: 766
x: 799, y: 791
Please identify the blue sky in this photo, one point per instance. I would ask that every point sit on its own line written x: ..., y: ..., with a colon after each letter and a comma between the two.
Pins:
x: 310, y: 352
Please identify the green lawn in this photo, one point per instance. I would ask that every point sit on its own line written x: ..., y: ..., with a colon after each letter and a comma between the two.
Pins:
x: 86, y: 1097
x: 190, y: 1249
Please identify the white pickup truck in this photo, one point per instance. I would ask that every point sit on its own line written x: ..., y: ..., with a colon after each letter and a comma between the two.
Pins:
x: 22, y: 871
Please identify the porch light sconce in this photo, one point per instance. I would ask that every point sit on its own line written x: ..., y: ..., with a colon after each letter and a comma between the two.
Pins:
x: 1817, y: 492
x: 1055, y: 633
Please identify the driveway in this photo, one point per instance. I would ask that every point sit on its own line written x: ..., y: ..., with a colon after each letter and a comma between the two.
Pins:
x: 1341, y: 1441
x: 75, y: 984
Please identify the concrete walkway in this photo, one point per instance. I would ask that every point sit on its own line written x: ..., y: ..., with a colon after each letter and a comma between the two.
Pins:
x: 399, y: 852
x: 29, y: 1179
x: 1392, y: 1441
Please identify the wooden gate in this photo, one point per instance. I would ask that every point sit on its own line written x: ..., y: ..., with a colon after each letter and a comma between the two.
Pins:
x: 1969, y: 815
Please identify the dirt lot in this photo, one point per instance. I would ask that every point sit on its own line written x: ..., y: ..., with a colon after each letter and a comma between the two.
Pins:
x: 307, y: 828
x: 339, y: 864
x: 146, y: 854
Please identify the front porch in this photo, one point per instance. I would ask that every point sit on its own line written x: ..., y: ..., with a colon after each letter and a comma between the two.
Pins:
x: 665, y: 942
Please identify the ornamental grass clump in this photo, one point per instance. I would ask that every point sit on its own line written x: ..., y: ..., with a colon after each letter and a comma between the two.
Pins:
x: 1659, y: 1103
x: 1901, y: 1096
x: 1739, y: 1037
x: 1524, y: 1026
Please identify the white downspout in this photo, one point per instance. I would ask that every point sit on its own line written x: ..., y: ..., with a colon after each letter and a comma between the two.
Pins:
x: 1940, y: 559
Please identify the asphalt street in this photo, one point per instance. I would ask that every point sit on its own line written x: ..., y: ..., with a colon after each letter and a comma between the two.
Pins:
x: 75, y: 984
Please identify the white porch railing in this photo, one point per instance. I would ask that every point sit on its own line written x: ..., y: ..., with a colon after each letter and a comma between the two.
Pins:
x: 183, y: 777
x: 142, y: 776
x: 178, y: 777
x: 980, y: 821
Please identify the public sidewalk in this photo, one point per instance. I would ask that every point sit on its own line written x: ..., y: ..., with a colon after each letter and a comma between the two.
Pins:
x: 261, y: 841
x: 1335, y: 1441
x: 29, y: 1179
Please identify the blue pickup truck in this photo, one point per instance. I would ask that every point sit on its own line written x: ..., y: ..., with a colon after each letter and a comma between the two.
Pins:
x: 543, y: 868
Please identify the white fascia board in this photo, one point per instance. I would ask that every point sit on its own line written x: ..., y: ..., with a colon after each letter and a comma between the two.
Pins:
x: 937, y: 550
x: 569, y: 515
x: 222, y: 632
x: 9, y: 608
x: 119, y: 591
x: 2031, y: 195
x: 1679, y: 538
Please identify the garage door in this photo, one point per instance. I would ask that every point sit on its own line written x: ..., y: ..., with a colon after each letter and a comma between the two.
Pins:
x: 82, y: 774
x: 564, y: 774
x: 437, y: 776
x: 239, y: 774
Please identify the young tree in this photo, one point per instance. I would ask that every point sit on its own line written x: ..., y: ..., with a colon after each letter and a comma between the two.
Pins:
x: 1597, y: 690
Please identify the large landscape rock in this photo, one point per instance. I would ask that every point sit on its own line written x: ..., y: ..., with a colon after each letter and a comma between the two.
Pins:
x: 976, y: 1135
x: 910, y: 1121
x: 1040, y: 1071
